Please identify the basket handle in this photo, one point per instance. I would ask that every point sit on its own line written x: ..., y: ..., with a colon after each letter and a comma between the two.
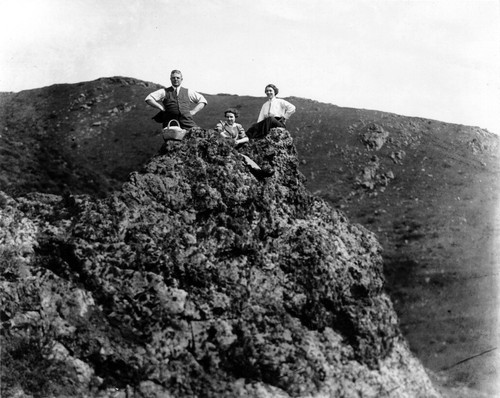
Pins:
x: 174, y: 120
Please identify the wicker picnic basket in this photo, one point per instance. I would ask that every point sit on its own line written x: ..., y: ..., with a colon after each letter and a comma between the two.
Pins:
x: 173, y: 132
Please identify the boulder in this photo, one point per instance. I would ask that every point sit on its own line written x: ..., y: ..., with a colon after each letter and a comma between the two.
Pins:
x: 199, y: 279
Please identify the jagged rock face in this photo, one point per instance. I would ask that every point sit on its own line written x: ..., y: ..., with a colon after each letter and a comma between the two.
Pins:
x: 197, y: 279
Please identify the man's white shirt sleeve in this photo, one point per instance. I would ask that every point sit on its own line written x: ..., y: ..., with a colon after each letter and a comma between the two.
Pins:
x: 196, y: 97
x: 157, y: 95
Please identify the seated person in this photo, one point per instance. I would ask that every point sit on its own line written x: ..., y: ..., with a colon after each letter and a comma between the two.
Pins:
x: 231, y: 129
x: 235, y: 131
x: 274, y: 113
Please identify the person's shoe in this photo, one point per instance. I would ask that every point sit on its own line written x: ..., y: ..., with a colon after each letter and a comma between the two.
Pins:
x: 267, y: 172
x: 261, y: 174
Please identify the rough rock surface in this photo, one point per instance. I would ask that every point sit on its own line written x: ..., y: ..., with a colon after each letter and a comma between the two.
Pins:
x: 374, y: 136
x: 197, y: 279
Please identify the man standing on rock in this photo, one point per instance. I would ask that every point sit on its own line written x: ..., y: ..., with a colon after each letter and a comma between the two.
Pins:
x: 175, y: 102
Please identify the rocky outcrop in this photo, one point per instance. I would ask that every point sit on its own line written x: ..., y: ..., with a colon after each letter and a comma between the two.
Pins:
x: 198, y: 279
x: 373, y: 136
x: 371, y: 176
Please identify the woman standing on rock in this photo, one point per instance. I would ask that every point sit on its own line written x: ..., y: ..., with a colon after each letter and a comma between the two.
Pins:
x: 274, y: 113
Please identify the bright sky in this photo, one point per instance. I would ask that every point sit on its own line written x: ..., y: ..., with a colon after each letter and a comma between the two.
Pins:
x: 438, y: 59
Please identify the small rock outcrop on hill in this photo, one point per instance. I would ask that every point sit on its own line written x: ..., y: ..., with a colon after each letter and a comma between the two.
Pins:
x: 198, y: 280
x: 373, y: 136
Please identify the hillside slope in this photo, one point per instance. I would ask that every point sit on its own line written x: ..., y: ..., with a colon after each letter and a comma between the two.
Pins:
x: 428, y: 190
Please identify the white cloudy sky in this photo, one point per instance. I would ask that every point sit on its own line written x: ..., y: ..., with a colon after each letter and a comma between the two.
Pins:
x: 437, y: 59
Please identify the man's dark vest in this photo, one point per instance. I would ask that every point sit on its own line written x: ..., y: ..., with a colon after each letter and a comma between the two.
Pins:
x: 176, y: 104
